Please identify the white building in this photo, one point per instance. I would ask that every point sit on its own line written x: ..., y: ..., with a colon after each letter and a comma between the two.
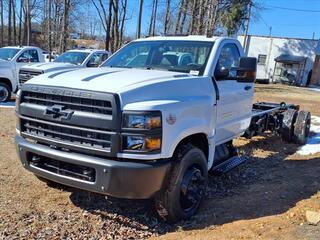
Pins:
x: 282, y: 59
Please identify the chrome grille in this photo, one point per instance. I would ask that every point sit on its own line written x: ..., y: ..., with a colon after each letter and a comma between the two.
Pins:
x: 25, y: 75
x: 92, y: 126
x: 69, y: 102
x: 68, y: 135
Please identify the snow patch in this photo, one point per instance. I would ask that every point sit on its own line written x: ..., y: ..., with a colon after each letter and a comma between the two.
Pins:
x: 7, y: 105
x: 314, y: 89
x: 313, y: 144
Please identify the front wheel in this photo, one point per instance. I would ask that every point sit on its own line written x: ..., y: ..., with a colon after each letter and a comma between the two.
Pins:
x: 5, y: 92
x: 186, y: 186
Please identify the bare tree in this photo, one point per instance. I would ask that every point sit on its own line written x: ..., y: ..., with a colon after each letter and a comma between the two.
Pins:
x: 14, y: 22
x: 105, y: 19
x: 20, y: 22
x: 1, y: 20
x: 64, y: 35
x: 27, y: 22
x: 167, y: 17
x: 115, y: 25
x: 124, y: 4
x: 49, y: 29
x: 153, y: 18
x: 9, y: 21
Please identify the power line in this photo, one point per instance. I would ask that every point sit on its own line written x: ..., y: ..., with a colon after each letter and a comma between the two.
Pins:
x: 293, y: 9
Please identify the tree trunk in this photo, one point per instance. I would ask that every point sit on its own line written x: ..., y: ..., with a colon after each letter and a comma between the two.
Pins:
x: 1, y: 20
x: 63, y: 45
x: 178, y: 23
x: 20, y: 22
x: 109, y: 25
x: 49, y: 30
x: 167, y: 17
x: 124, y: 13
x: 115, y: 25
x: 184, y: 15
x: 151, y: 18
x: 200, y: 20
x: 9, y: 22
x: 155, y: 18
x: 193, y: 17
x: 28, y: 22
x: 14, y: 22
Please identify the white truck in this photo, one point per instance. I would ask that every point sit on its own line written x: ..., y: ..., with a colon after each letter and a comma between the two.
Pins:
x: 11, y: 60
x: 73, y: 59
x: 152, y: 127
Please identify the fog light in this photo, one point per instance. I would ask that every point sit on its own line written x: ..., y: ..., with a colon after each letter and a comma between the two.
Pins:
x: 152, y: 143
x: 141, y: 143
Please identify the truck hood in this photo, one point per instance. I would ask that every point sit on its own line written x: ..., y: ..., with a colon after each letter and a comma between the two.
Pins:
x: 105, y: 79
x: 4, y: 63
x: 51, y: 66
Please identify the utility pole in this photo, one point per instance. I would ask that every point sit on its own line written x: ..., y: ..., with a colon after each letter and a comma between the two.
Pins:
x: 247, y: 28
x: 139, y: 19
x: 270, y: 31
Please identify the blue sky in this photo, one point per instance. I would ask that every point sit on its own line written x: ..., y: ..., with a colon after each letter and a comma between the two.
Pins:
x: 284, y: 23
x: 288, y: 23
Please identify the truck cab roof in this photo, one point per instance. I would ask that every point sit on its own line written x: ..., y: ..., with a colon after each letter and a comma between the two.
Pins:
x: 184, y: 38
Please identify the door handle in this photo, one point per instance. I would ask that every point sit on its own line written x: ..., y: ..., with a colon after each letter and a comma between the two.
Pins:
x: 247, y: 88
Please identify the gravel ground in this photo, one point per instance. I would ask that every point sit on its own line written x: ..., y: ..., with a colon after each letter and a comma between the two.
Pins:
x: 264, y: 198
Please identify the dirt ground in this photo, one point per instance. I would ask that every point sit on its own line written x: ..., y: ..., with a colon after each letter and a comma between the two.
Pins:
x: 264, y: 198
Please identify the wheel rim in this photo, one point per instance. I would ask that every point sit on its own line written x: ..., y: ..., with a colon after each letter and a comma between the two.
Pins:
x: 191, y: 189
x: 3, y: 93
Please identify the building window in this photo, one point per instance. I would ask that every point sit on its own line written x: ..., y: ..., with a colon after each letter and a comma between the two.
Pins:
x: 262, y: 59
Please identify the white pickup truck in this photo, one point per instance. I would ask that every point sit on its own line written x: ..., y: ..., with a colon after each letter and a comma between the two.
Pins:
x: 73, y: 59
x: 11, y: 60
x: 151, y: 122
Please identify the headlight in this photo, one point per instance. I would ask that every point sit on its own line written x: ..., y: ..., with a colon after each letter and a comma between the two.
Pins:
x: 18, y: 96
x: 141, y: 132
x: 149, y: 120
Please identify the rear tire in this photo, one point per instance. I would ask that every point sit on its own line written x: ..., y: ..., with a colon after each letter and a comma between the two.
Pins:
x: 289, y: 119
x: 186, y: 185
x: 302, y: 127
x: 5, y: 92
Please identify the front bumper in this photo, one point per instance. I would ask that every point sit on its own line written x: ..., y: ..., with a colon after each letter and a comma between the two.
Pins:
x: 115, y: 178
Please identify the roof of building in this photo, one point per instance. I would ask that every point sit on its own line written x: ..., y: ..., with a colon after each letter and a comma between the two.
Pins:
x: 287, y: 58
x: 183, y: 37
x: 278, y: 37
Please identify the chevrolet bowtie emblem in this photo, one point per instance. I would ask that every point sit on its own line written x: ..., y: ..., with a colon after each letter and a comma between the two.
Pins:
x: 58, y: 112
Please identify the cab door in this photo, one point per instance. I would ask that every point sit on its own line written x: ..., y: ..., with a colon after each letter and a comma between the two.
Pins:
x: 234, y: 106
x: 26, y: 57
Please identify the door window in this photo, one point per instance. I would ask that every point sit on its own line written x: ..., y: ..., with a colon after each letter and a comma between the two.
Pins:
x: 229, y: 59
x: 97, y: 59
x: 29, y: 56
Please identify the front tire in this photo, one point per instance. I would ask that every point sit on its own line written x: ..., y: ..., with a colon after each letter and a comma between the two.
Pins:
x: 5, y: 92
x: 186, y: 186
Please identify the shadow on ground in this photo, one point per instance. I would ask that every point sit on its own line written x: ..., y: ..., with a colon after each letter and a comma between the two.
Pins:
x: 266, y: 184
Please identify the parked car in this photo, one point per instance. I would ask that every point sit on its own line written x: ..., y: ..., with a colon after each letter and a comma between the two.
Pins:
x: 47, y: 57
x: 72, y: 59
x: 11, y: 60
x: 152, y: 129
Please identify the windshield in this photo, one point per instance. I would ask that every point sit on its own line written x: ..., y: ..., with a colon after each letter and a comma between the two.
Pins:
x: 168, y: 55
x: 72, y: 57
x: 8, y: 53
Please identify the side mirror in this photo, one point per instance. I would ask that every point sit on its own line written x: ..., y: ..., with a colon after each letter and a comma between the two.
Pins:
x: 247, y: 69
x: 221, y: 73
